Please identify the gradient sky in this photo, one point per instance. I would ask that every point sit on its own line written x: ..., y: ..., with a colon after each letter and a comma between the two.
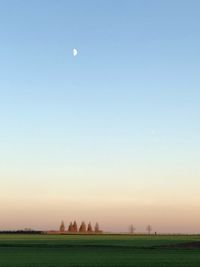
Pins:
x: 111, y: 135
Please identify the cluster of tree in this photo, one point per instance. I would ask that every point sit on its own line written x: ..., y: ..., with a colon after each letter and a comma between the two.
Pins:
x: 83, y: 228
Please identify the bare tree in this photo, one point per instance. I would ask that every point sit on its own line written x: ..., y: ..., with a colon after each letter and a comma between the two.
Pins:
x: 132, y: 229
x: 149, y: 229
x: 62, y: 227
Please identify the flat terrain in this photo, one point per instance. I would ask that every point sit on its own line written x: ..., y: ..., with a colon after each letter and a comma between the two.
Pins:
x: 99, y: 250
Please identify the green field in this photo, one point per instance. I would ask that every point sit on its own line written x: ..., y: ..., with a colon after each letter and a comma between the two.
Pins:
x: 99, y: 250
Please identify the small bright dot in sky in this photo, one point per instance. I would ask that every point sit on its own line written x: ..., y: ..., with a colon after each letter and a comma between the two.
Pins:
x: 75, y: 52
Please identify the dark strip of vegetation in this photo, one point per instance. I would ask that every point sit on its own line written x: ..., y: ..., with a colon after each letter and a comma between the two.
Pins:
x: 187, y: 245
x: 22, y: 232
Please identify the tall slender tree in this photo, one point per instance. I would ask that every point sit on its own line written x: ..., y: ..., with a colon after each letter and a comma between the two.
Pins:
x: 96, y: 228
x: 89, y: 228
x: 82, y: 228
x: 70, y: 228
x: 62, y: 227
x: 75, y: 227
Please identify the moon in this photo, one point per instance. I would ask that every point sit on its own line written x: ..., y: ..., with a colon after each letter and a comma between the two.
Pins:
x: 75, y: 52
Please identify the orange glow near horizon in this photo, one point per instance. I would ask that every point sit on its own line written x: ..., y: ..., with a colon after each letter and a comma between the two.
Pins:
x: 114, y: 216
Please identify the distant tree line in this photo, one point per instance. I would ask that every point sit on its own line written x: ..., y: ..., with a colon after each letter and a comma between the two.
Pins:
x: 22, y: 232
x: 83, y: 228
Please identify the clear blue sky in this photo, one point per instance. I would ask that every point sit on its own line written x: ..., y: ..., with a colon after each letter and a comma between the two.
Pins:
x: 117, y: 121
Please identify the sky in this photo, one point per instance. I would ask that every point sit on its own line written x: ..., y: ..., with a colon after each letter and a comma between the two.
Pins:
x: 110, y: 135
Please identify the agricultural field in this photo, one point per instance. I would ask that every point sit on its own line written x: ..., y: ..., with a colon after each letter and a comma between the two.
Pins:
x: 99, y: 250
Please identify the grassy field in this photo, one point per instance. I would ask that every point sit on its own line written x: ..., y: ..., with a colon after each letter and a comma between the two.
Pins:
x: 99, y: 250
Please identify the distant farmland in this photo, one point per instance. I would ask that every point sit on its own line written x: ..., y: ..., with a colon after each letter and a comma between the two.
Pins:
x: 99, y: 250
